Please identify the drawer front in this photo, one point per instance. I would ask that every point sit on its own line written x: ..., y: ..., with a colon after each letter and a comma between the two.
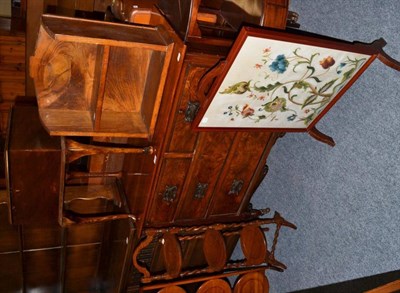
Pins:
x: 168, y: 191
x: 244, y: 158
x: 34, y: 186
x: 183, y: 139
x: 210, y: 157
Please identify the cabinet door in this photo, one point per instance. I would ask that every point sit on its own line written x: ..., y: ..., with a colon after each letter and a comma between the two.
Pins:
x: 138, y: 171
x: 211, y: 154
x: 34, y: 169
x: 244, y: 158
x: 168, y: 191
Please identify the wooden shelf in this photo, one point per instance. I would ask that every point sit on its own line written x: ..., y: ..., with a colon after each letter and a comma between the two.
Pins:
x: 95, y: 78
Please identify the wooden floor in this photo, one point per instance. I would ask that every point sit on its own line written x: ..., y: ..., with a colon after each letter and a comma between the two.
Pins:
x: 12, y: 67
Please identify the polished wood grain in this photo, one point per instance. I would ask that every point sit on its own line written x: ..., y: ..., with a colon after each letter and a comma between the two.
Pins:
x: 84, y: 234
x: 137, y: 181
x: 241, y: 163
x: 183, y: 139
x: 186, y: 242
x: 215, y: 286
x: 391, y: 287
x: 214, y: 249
x: 101, y: 5
x: 81, y: 271
x: 172, y: 255
x: 85, y: 91
x: 173, y: 176
x: 116, y: 251
x: 41, y: 236
x: 11, y: 275
x: 275, y: 13
x: 151, y: 168
x: 118, y: 97
x: 34, y: 169
x: 12, y: 69
x: 36, y: 269
x: 76, y: 150
x: 172, y: 289
x: 205, y: 169
x: 34, y: 10
x: 9, y: 235
x: 127, y: 10
x: 85, y: 5
x: 253, y: 244
x: 251, y: 283
x: 202, y: 279
x: 112, y: 34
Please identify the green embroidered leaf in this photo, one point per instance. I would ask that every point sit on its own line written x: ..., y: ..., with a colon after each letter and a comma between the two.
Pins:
x: 327, y: 86
x: 285, y: 89
x: 312, y: 69
x: 348, y: 74
x: 271, y: 87
x: 261, y: 89
x: 267, y: 88
x: 301, y: 85
x: 312, y: 56
x: 309, y: 101
x: 316, y: 78
x: 308, y: 119
x: 295, y: 52
x: 237, y: 88
x: 299, y: 63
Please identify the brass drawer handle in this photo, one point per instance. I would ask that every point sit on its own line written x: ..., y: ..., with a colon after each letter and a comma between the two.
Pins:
x: 191, y: 111
x: 169, y: 194
x: 200, y: 191
x: 236, y: 187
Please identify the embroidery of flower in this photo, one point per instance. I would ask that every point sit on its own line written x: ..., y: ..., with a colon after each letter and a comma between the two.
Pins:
x: 309, y: 91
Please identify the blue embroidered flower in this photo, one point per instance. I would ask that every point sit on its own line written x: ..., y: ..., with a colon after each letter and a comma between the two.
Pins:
x: 339, y: 68
x: 291, y: 117
x: 280, y: 64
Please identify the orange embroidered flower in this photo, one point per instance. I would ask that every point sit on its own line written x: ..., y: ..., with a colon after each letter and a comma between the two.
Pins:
x: 247, y: 111
x: 327, y: 62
